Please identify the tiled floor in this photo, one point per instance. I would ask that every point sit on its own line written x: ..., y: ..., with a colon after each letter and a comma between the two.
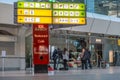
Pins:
x: 112, y: 73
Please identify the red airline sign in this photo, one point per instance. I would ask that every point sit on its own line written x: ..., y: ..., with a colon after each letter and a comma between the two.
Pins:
x: 40, y: 43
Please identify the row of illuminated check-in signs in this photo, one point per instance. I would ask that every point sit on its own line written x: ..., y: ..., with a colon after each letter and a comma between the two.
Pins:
x: 47, y: 5
x: 43, y: 12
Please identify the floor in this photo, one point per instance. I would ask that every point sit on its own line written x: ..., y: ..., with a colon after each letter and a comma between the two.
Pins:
x: 112, y: 73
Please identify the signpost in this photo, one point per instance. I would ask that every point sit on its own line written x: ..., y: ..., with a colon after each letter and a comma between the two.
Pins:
x: 41, y: 43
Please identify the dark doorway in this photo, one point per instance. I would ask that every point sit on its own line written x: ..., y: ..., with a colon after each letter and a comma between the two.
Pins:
x: 98, y: 49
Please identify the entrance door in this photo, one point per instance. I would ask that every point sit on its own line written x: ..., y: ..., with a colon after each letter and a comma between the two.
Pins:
x: 96, y: 49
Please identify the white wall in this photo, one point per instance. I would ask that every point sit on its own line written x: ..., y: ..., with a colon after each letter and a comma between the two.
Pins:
x: 20, y: 46
x: 6, y: 13
x: 7, y: 24
x: 16, y: 60
x: 8, y: 38
x: 11, y: 63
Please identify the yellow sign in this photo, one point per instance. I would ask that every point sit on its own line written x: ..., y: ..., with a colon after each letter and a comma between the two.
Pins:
x: 34, y: 12
x: 27, y: 19
x: 61, y: 20
x: 118, y: 42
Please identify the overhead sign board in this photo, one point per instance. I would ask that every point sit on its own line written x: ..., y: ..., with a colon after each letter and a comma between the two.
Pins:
x: 40, y: 5
x: 60, y: 20
x: 34, y: 12
x: 50, y: 13
x: 67, y: 13
x: 71, y: 6
x: 27, y: 19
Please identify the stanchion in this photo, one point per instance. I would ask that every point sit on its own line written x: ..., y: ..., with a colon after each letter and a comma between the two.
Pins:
x: 3, y: 64
x: 33, y: 70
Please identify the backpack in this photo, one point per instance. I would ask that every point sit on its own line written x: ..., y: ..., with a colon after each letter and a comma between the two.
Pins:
x: 86, y: 55
x: 55, y: 55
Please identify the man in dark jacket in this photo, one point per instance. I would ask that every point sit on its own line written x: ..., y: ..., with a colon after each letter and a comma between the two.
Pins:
x: 88, y: 59
x: 55, y: 56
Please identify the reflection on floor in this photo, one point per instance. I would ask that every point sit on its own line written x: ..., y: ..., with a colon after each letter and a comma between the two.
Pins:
x: 112, y: 73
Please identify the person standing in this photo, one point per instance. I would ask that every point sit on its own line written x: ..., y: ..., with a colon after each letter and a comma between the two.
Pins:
x: 71, y: 56
x: 88, y: 59
x: 65, y: 58
x: 115, y: 58
x: 99, y: 59
x: 84, y: 59
x: 55, y: 56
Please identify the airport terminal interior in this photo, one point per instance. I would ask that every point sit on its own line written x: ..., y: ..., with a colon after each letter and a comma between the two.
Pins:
x: 100, y: 35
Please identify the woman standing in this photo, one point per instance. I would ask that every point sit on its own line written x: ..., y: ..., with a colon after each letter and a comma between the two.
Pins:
x: 65, y: 58
x: 84, y: 59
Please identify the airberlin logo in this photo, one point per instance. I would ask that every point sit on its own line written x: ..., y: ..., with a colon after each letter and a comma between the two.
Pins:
x: 40, y: 28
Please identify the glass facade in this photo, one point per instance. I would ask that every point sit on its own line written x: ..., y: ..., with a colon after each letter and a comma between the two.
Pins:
x: 90, y: 5
x: 8, y: 1
x: 108, y: 7
x: 96, y: 43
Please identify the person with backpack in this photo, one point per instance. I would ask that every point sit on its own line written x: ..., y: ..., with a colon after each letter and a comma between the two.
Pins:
x: 88, y: 59
x: 55, y: 56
